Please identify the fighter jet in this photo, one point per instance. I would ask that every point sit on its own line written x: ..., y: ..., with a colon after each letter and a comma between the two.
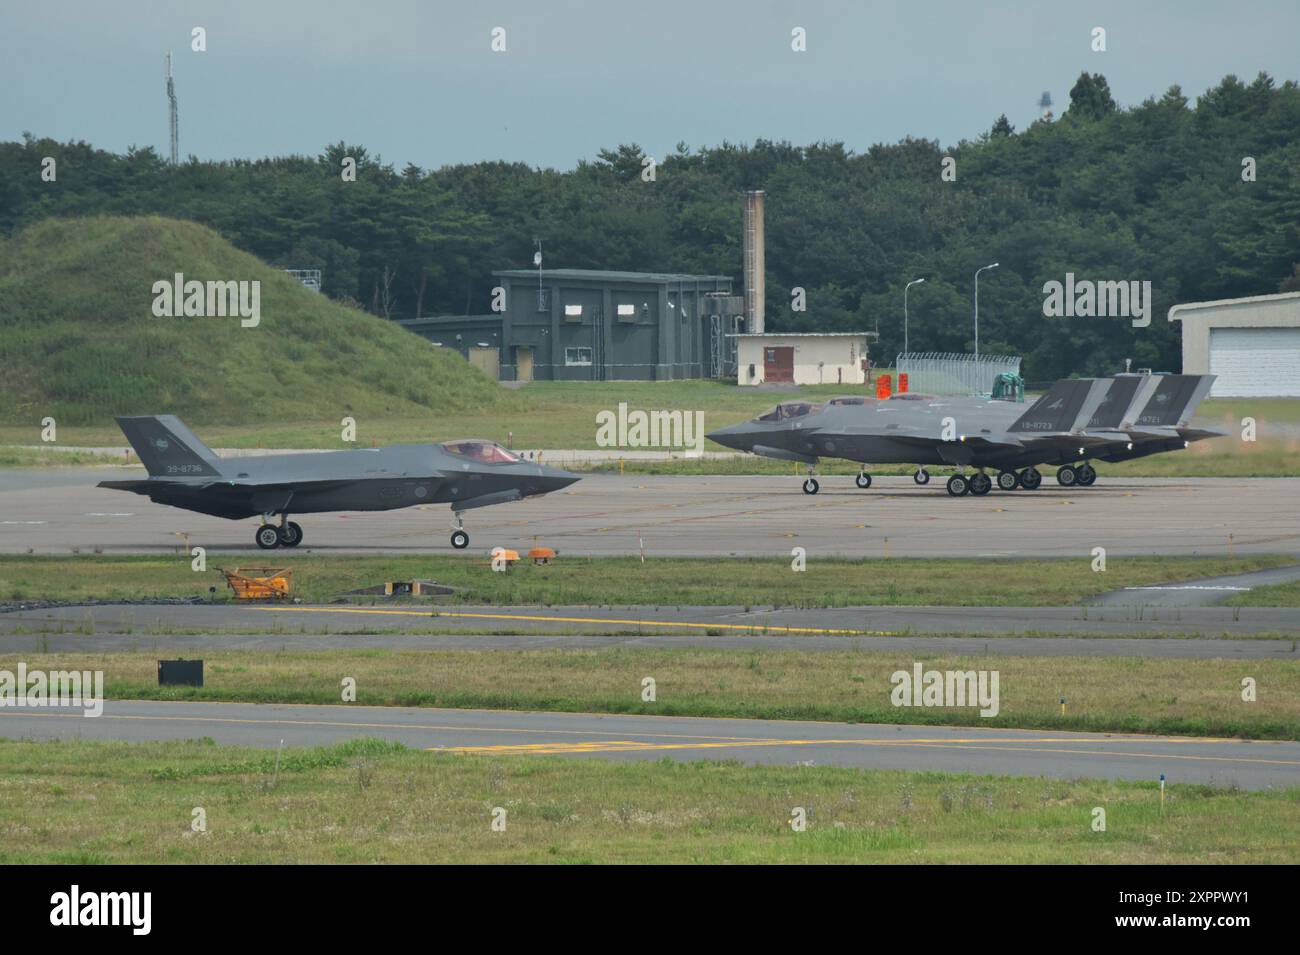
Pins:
x: 1075, y: 421
x: 185, y: 473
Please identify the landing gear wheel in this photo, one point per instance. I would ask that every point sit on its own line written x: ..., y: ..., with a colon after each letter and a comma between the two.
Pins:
x: 1007, y: 480
x: 1067, y: 476
x: 1030, y: 479
x: 1086, y: 474
x: 958, y: 485
x: 811, y: 486
x: 268, y: 537
x: 922, y: 476
x: 980, y: 484
x: 864, y: 480
x: 459, y: 540
x: 290, y: 535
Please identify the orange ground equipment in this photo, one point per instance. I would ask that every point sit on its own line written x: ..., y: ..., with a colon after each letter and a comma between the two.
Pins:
x: 260, y: 583
x: 884, y: 387
x: 541, y: 555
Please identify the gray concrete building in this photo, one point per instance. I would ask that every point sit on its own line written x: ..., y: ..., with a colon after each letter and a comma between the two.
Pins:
x: 590, y: 325
x: 1251, y: 344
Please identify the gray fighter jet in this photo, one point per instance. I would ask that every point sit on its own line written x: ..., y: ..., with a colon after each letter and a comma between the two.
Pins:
x: 1111, y: 419
x: 185, y: 473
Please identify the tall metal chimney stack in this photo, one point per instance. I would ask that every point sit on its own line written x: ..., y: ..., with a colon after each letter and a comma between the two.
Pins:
x: 171, y: 111
x: 755, y: 267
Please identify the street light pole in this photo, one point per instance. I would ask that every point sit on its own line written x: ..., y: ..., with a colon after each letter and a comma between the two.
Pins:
x: 977, y: 305
x: 905, y: 288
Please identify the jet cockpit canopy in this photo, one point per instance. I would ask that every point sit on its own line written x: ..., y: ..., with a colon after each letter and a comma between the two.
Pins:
x: 791, y: 409
x: 483, y: 452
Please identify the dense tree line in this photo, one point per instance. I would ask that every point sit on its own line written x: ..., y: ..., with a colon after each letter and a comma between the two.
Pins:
x: 1155, y: 192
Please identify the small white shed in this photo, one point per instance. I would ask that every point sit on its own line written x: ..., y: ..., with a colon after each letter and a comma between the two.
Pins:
x: 807, y: 358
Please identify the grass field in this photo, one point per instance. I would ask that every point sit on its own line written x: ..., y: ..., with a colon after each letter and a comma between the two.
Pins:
x: 1275, y: 595
x: 1119, y: 694
x: 81, y: 343
x: 544, y: 414
x: 665, y: 581
x: 367, y: 801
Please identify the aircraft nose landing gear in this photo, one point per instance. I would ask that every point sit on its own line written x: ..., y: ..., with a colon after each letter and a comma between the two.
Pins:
x: 922, y: 476
x: 863, y: 480
x: 459, y: 539
x: 811, y: 486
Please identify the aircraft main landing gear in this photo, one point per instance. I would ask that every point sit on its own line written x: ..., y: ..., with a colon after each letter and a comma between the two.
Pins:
x: 1086, y: 474
x: 1007, y: 480
x: 980, y: 484
x: 269, y: 536
x: 1067, y: 476
x: 958, y: 485
x: 1030, y: 479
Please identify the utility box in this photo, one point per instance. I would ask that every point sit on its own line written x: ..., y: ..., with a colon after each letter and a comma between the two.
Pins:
x: 180, y: 672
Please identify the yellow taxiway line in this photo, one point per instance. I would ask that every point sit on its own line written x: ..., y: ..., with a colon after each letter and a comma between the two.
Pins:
x: 630, y: 746
x: 751, y: 627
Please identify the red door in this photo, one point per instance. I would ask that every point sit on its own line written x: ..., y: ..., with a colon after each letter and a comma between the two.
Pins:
x: 778, y: 364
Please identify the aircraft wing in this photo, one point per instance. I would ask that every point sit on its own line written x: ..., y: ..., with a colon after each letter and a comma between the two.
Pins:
x: 147, y: 485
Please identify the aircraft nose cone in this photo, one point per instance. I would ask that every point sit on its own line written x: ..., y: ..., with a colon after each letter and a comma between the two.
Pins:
x: 553, y: 479
x: 729, y: 437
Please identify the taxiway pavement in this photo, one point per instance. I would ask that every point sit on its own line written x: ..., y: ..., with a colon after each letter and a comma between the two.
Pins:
x: 1059, y: 755
x: 57, y: 511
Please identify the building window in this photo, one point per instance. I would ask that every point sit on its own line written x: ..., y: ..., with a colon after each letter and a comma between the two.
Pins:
x: 543, y: 300
x: 573, y: 313
x: 627, y: 313
x: 577, y: 356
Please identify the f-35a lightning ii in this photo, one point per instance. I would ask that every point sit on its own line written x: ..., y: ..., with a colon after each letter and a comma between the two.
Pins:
x: 1077, y: 420
x: 185, y: 473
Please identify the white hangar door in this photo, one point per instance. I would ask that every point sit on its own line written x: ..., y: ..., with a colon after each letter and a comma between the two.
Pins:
x: 1255, y: 362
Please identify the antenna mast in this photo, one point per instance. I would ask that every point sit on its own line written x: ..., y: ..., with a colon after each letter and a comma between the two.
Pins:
x: 171, y: 99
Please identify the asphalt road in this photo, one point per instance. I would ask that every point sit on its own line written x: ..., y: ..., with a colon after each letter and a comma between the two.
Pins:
x: 190, y: 644
x: 694, y: 626
x: 1222, y: 762
x: 1200, y: 593
x: 54, y: 511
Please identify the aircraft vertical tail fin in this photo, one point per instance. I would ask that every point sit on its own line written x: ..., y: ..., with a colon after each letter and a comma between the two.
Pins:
x: 1065, y: 407
x: 1121, y: 395
x: 1174, y: 400
x: 168, y: 448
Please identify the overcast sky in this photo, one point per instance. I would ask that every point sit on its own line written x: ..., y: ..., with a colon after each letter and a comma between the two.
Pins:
x: 418, y: 82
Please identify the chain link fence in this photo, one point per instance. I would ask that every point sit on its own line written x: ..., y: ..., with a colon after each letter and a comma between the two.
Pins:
x: 953, y: 373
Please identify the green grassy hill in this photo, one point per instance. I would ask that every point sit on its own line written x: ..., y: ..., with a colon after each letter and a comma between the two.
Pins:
x: 79, y: 340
